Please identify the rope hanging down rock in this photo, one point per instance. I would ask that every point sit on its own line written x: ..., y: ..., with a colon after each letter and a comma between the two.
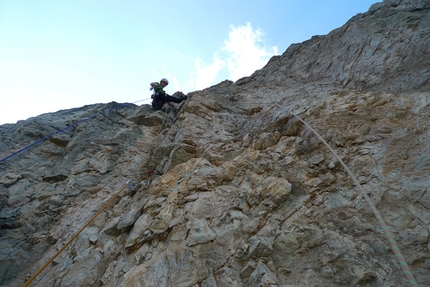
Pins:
x: 387, y: 232
x: 134, y: 177
x: 400, y: 258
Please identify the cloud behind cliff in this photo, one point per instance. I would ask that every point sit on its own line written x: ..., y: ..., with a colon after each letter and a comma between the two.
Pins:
x: 243, y: 52
x: 63, y: 54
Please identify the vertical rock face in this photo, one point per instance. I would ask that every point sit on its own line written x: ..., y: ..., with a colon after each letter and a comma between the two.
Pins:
x: 243, y: 193
x: 383, y: 49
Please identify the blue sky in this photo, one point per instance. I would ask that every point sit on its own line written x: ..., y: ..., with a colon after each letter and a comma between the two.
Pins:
x: 62, y: 54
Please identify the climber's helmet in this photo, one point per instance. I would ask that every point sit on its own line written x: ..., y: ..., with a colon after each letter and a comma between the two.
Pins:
x: 165, y: 81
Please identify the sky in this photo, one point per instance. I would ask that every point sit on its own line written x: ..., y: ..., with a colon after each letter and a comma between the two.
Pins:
x: 62, y: 54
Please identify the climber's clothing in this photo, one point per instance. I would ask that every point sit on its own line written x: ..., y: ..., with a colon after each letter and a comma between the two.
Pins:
x: 160, y: 99
x: 157, y: 88
x: 159, y: 96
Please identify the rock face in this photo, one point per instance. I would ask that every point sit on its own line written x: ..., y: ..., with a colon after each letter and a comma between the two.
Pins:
x: 243, y: 193
x: 383, y: 50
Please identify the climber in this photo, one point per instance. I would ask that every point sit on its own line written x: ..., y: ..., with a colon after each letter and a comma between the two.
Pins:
x: 159, y: 96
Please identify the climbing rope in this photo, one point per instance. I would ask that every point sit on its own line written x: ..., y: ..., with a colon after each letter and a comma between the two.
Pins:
x: 73, y: 237
x: 65, y: 128
x: 152, y: 172
x: 393, y: 244
x: 400, y: 258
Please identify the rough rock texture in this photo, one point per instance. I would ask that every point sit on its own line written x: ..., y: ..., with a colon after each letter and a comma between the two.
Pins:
x: 384, y: 50
x: 248, y: 195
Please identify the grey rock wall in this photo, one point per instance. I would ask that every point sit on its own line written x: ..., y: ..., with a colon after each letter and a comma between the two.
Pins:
x: 247, y: 195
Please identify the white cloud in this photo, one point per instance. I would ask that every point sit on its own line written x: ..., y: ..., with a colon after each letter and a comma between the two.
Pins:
x: 206, y: 74
x: 242, y: 54
x: 246, y: 54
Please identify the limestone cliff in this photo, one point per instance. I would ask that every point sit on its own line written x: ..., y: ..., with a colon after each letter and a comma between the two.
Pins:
x: 248, y: 195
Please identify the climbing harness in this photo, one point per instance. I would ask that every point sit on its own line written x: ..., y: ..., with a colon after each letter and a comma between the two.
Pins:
x: 400, y: 258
